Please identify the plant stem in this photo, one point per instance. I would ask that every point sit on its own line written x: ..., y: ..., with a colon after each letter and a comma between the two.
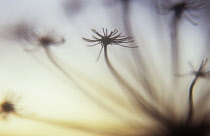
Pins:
x: 96, y: 100
x: 141, y: 102
x: 69, y: 125
x: 191, y: 105
x: 175, y: 43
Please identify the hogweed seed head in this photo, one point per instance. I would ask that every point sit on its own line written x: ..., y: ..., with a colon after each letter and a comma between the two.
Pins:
x: 181, y: 8
x: 8, y: 105
x: 113, y: 38
x: 202, y: 71
x: 45, y: 40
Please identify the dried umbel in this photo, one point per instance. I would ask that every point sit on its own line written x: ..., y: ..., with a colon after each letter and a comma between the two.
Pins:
x: 201, y: 72
x: 9, y: 105
x: 113, y: 38
x: 45, y: 40
x: 180, y: 8
x: 72, y: 7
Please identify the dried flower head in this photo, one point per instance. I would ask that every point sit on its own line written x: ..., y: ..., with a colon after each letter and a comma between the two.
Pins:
x: 113, y: 38
x: 8, y: 105
x: 46, y: 39
x: 201, y: 72
x: 72, y: 7
x: 181, y: 7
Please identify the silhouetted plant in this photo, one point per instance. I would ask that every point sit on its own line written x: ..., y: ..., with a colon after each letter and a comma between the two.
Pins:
x: 133, y: 93
x: 45, y: 41
x: 156, y: 116
x: 200, y: 73
x: 190, y: 126
x: 50, y: 39
x: 113, y: 39
x: 166, y: 124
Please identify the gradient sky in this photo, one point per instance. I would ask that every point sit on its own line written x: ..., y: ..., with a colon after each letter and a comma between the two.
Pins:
x: 46, y: 93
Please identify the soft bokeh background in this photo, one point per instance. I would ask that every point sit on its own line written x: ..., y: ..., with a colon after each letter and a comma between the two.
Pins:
x: 46, y: 93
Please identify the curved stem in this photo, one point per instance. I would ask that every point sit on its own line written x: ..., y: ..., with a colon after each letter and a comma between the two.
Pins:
x: 70, y: 125
x: 136, y: 54
x: 134, y: 95
x: 117, y: 75
x: 191, y: 105
x: 54, y: 62
x: 84, y: 91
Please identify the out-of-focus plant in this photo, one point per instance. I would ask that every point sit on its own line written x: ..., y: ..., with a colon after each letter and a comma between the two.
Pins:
x: 150, y: 111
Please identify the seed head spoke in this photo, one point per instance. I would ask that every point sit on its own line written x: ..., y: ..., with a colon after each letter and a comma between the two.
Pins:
x: 89, y: 40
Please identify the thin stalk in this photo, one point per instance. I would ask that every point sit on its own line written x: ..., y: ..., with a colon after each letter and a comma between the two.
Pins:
x: 70, y: 125
x: 175, y: 43
x: 98, y: 102
x: 126, y: 18
x: 136, y: 54
x: 191, y: 104
x: 140, y: 101
x: 117, y: 76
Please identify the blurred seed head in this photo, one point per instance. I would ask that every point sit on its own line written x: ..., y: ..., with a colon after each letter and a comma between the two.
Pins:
x: 180, y: 8
x: 9, y: 105
x: 72, y: 7
x: 202, y: 72
x: 45, y: 39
